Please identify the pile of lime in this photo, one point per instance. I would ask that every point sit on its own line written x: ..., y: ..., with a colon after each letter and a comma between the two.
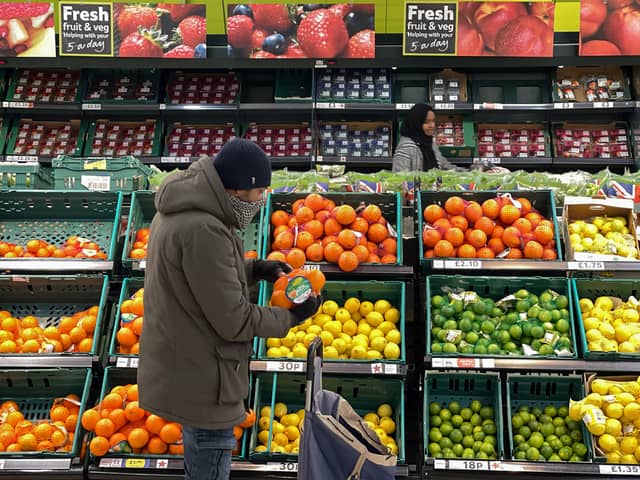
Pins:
x: 462, y: 432
x: 547, y: 434
x: 520, y: 324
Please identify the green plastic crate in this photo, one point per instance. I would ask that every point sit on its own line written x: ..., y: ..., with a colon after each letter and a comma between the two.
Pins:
x: 79, y: 128
x: 157, y: 135
x: 364, y: 394
x: 469, y: 147
x: 293, y: 86
x: 50, y: 298
x: 25, y: 176
x: 53, y: 216
x: 339, y: 291
x: 497, y: 288
x: 389, y: 203
x: 93, y: 77
x: 592, y: 289
x: 542, y: 391
x: 34, y: 391
x: 4, y: 128
x: 541, y: 200
x: 445, y: 387
x: 124, y: 174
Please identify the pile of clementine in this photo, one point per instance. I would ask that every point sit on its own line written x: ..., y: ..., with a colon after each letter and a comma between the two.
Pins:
x: 139, y: 247
x: 73, y: 247
x: 131, y: 319
x: 26, y: 335
x: 279, y: 297
x: 316, y: 230
x: 53, y: 435
x: 498, y: 228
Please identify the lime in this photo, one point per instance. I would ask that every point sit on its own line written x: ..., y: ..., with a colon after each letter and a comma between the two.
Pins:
x: 534, y: 425
x: 488, y: 448
x: 480, y: 308
x: 488, y: 327
x: 489, y: 428
x: 441, y: 334
x: 467, y: 349
x: 564, y: 313
x: 546, y: 451
x: 545, y: 297
x: 438, y: 320
x: 466, y: 428
x: 435, y: 421
x: 475, y: 419
x: 563, y: 411
x: 562, y: 325
x: 503, y: 336
x: 457, y: 449
x: 456, y: 436
x: 522, y: 293
x: 454, y: 407
x: 446, y: 429
x: 515, y: 331
x: 537, y: 331
x: 544, y: 418
x: 449, y: 348
x: 477, y: 446
x: 525, y: 431
x: 562, y: 301
x: 522, y: 305
x: 575, y: 458
x: 558, y: 422
x: 450, y: 325
x: 536, y: 344
x: 437, y: 301
x: 457, y: 420
x: 536, y: 440
x: 479, y: 436
x: 471, y: 338
x: 446, y: 443
x: 572, y: 425
x: 448, y: 311
x: 523, y: 447
x: 481, y: 455
x: 468, y: 453
x: 533, y: 454
x: 547, y: 429
x: 521, y: 456
x: 445, y: 414
x: 526, y: 330
x: 516, y: 422
x: 494, y: 349
x: 467, y: 441
x: 435, y: 435
x: 434, y: 408
x: 465, y: 413
x: 510, y: 347
x: 533, y: 312
x: 448, y: 453
x: 491, y: 439
x: 526, y: 416
x: 565, y: 453
x: 465, y: 325
x: 579, y: 449
x: 533, y: 299
x: 556, y: 444
x: 434, y: 449
x: 576, y: 435
x: 486, y: 412
x: 479, y: 349
x: 436, y: 348
x: 536, y: 411
x: 554, y: 458
x: 566, y: 440
x: 546, y: 349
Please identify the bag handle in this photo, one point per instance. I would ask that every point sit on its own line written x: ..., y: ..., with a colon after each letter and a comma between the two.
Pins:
x: 357, y: 468
x: 314, y: 372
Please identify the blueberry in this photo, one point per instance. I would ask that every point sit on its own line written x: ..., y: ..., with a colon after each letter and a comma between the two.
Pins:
x: 243, y: 10
x: 354, y: 23
x: 308, y: 7
x: 200, y: 51
x: 275, y: 43
x: 371, y: 22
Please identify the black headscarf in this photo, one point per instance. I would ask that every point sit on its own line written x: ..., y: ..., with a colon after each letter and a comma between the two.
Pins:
x: 412, y: 128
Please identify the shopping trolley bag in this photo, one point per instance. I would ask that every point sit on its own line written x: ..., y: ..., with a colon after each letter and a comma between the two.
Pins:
x: 336, y: 443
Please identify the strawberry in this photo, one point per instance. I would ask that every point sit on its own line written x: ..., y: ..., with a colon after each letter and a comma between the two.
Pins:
x: 22, y: 10
x: 322, y: 34
x: 340, y: 9
x: 262, y: 54
x: 178, y: 12
x: 146, y: 43
x: 271, y: 17
x: 181, y: 51
x: 294, y: 51
x: 239, y: 28
x: 192, y: 30
x: 257, y: 37
x: 361, y: 45
x: 134, y: 16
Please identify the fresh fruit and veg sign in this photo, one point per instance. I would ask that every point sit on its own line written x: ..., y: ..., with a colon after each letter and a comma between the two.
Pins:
x: 309, y: 30
x: 474, y: 29
x: 150, y: 30
x: 609, y: 27
x: 27, y: 30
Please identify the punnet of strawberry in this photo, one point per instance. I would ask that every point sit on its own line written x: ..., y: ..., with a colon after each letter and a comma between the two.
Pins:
x: 307, y: 30
x: 21, y: 25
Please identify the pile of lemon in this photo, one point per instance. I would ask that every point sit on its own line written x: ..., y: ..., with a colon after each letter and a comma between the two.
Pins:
x: 285, y: 431
x: 612, y: 414
x: 356, y: 331
x: 611, y: 324
x: 383, y: 425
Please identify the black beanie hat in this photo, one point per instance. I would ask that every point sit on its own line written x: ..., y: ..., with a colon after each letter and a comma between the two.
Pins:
x: 242, y: 165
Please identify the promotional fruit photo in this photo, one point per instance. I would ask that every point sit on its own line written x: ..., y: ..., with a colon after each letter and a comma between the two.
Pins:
x: 609, y: 28
x: 27, y: 30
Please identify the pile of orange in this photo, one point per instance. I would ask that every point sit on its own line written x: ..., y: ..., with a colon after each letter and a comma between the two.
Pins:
x: 251, y: 254
x: 139, y: 247
x: 73, y: 334
x: 53, y: 435
x: 279, y: 297
x: 238, y: 430
x: 131, y: 319
x: 317, y: 230
x: 73, y: 247
x: 498, y: 228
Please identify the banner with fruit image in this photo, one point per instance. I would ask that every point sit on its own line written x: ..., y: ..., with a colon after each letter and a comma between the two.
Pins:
x: 609, y: 28
x: 27, y: 30
x: 309, y: 30
x: 475, y: 29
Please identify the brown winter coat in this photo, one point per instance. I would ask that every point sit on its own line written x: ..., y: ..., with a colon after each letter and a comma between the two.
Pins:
x: 199, y: 323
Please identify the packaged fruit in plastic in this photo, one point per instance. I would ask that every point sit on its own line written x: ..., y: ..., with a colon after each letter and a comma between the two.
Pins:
x: 547, y: 434
x: 357, y: 330
x: 73, y: 247
x: 502, y: 227
x: 523, y: 323
x: 604, y: 235
x: 295, y: 287
x: 611, y: 324
x: 140, y: 245
x: 131, y: 320
x: 462, y: 430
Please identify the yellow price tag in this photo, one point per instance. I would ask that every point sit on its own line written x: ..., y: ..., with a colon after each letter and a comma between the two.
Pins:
x: 95, y: 165
x: 134, y: 463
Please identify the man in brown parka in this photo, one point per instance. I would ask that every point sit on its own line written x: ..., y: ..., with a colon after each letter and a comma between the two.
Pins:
x: 199, y: 322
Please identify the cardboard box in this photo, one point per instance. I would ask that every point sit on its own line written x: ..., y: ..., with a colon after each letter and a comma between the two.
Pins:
x: 584, y: 208
x: 452, y: 88
x: 577, y: 76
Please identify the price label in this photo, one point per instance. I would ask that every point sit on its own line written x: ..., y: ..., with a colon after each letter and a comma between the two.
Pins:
x: 463, y: 264
x: 124, y: 362
x: 310, y: 267
x: 438, y: 264
x: 17, y: 105
x: 445, y: 363
x: 468, y: 465
x: 444, y: 106
x: 162, y: 106
x: 586, y: 265
x: 285, y: 366
x: 464, y: 363
x: 284, y: 466
x: 1, y: 464
x: 162, y: 463
x: 319, y: 159
x: 390, y: 369
x: 134, y: 463
x: 110, y: 463
x: 142, y: 265
x: 620, y: 469
x: 603, y: 104
x: 342, y: 159
x: 488, y: 106
x: 320, y: 64
x: 563, y: 106
x: 407, y: 106
x: 331, y: 105
x: 22, y: 159
x: 439, y: 464
x: 96, y: 182
x: 377, y: 368
x: 91, y: 106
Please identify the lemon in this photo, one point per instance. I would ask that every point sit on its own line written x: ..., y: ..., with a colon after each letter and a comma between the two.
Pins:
x: 321, y: 319
x: 392, y: 315
x: 393, y: 448
x: 260, y: 448
x: 299, y: 351
x: 599, y: 386
x: 356, y: 317
x: 575, y: 410
x: 628, y: 445
x: 630, y: 315
x: 371, y: 425
x: 614, y: 410
x: 300, y: 414
x: 263, y: 437
x: 274, y: 352
x: 364, y: 329
x: 366, y: 308
x: 330, y: 352
x: 280, y: 409
x: 273, y: 342
x: 372, y: 417
x: 263, y: 423
x: 391, y: 351
x: 623, y: 332
x: 275, y: 448
x: 373, y: 355
x: 596, y: 429
x: 586, y: 305
x: 340, y: 345
x: 614, y: 427
x: 326, y: 337
x: 288, y: 447
x: 632, y: 410
x: 342, y: 315
x: 394, y: 336
x: 637, y: 454
x: 347, y: 338
x: 628, y: 460
x: 374, y: 319
x: 350, y: 327
x: 277, y: 427
x: 308, y: 338
x: 604, y: 303
x: 388, y: 425
x: 625, y: 398
x: 284, y: 351
x: 378, y: 344
x: 627, y: 347
x: 360, y: 340
x: 613, y: 457
x: 385, y: 327
x: 265, y: 412
x: 382, y: 435
x: 352, y: 304
x: 381, y: 306
x: 314, y: 329
x: 594, y: 335
x: 384, y: 410
x: 281, y: 439
x: 607, y: 330
x: 593, y: 399
x: 330, y: 307
x: 375, y: 333
x: 293, y: 419
x: 300, y: 337
x: 608, y: 443
x: 334, y: 328
x: 292, y: 432
x: 358, y: 352
x: 615, y: 390
x: 591, y: 323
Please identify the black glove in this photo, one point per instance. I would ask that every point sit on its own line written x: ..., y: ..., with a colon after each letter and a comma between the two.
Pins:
x: 305, y: 310
x: 269, y: 270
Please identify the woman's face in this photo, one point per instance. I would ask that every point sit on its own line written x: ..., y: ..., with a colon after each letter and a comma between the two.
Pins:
x: 429, y: 124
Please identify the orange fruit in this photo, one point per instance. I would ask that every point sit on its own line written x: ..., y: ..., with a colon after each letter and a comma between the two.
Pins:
x: 509, y: 214
x: 43, y: 431
x: 281, y: 283
x: 315, y: 228
x: 171, y: 433
x: 104, y: 412
x: 99, y: 446
x: 126, y: 337
x: 429, y: 253
x: 543, y: 233
x: 344, y: 214
x: 348, y: 261
x: 359, y: 225
x: 477, y: 238
x: 347, y: 239
x: 473, y: 211
x: 377, y: 233
x: 442, y: 224
x: 293, y: 223
x: 389, y: 246
x: 525, y: 205
x: 332, y: 227
x: 71, y: 422
x: 304, y: 214
x: 296, y: 258
x: 138, y: 437
x: 279, y: 299
x: 329, y: 204
x: 491, y: 208
x: 388, y: 258
x: 137, y: 306
x: 361, y: 252
x: 133, y: 411
x: 283, y: 241
x: 496, y: 245
x: 279, y: 217
x: 315, y: 252
x: 104, y: 427
x: 322, y: 216
x: 28, y: 442
x: 279, y: 229
x: 314, y: 201
x: 485, y: 252
x: 33, y: 246
x: 136, y: 325
x: 514, y: 253
x: 523, y: 225
x: 332, y: 252
x: 31, y: 346
x: 373, y: 258
x: 77, y: 334
x: 511, y: 237
x: 23, y: 428
x: 328, y: 239
x: 549, y: 254
x: 116, y: 438
x: 176, y: 450
x: 443, y: 249
x: 467, y: 251
x: 132, y: 393
x: 498, y: 231
x: 59, y: 413
x: 10, y: 324
x: 371, y: 213
x: 433, y: 212
x: 534, y: 217
x: 455, y: 236
x: 249, y: 419
x: 89, y: 419
x: 85, y: 345
x: 14, y: 447
x: 279, y: 256
x: 30, y: 322
x: 7, y: 437
x: 296, y: 205
x: 454, y: 205
x: 533, y: 250
x: 485, y: 224
x: 317, y: 280
x: 459, y: 221
x: 46, y: 446
x: 135, y: 349
x: 431, y: 236
x: 157, y: 446
x: 154, y: 424
x: 237, y: 432
x: 118, y: 417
